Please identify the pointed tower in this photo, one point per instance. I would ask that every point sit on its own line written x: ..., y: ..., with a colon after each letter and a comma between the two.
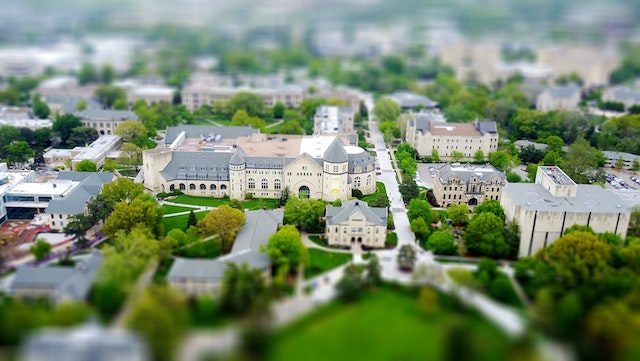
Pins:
x: 335, y: 172
x: 237, y: 176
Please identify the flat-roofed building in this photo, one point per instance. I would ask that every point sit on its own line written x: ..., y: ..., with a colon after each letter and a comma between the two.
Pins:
x: 354, y: 222
x: 333, y: 120
x: 468, y: 184
x: 425, y: 135
x: 96, y: 152
x: 626, y: 160
x: 21, y: 117
x: 546, y: 208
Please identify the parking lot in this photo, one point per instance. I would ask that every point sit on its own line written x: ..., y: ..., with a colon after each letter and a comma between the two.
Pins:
x: 426, y: 173
x: 621, y: 179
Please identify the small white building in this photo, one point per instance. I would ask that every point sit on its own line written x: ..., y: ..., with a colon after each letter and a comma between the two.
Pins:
x: 96, y: 152
x: 559, y: 97
x: 21, y: 117
x: 354, y: 222
x: 622, y: 94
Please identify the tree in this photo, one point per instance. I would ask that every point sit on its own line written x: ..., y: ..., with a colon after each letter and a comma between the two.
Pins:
x: 291, y: 127
x: 619, y: 164
x: 458, y: 214
x: 406, y: 258
x: 242, y: 288
x: 161, y: 317
x: 251, y: 103
x: 635, y: 166
x: 87, y: 74
x: 513, y: 177
x: 121, y: 189
x: 78, y: 226
x: 107, y: 74
x: 108, y: 94
x: 142, y: 211
x: 130, y: 155
x: 491, y: 206
x: 132, y: 131
x: 435, y: 156
x: 442, y: 242
x: 286, y: 249
x: 420, y: 228
x: 305, y: 214
x: 81, y: 105
x: 225, y: 222
x: 241, y: 117
x: 409, y: 190
x: 581, y: 161
x: 484, y: 236
x: 352, y: 284
x: 278, y: 110
x: 419, y: 208
x: 192, y: 221
x: 40, y: 249
x: 530, y: 154
x: 386, y: 110
x: 457, y: 156
x: 512, y: 237
x: 64, y: 125
x: 85, y: 166
x: 373, y: 276
x: 501, y: 160
x: 82, y: 136
x: 39, y: 107
x: 478, y: 156
x: 19, y: 152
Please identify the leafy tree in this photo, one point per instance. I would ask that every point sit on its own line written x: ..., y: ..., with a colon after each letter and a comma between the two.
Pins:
x: 386, y: 110
x: 130, y: 155
x: 142, y: 211
x: 305, y: 214
x: 491, y: 206
x: 581, y: 161
x: 19, y: 152
x: 409, y: 190
x: 484, y: 236
x: 512, y: 237
x: 435, y: 157
x: 635, y: 166
x: 107, y: 74
x: 121, y: 189
x: 108, y: 297
x: 242, y: 288
x: 192, y: 221
x: 286, y: 249
x: 501, y: 160
x: 442, y: 242
x: 251, y: 103
x: 406, y: 258
x: 478, y: 156
x: 373, y: 276
x: 81, y: 105
x: 40, y: 249
x: 161, y: 317
x: 78, y: 226
x: 457, y: 156
x: 278, y: 110
x: 39, y: 107
x: 108, y: 94
x: 352, y: 285
x: 225, y: 222
x: 420, y: 228
x: 132, y: 131
x: 85, y: 166
x: 513, y: 177
x: 82, y: 136
x: 241, y: 117
x: 554, y: 143
x: 552, y: 158
x: 530, y: 154
x: 68, y: 314
x: 109, y: 165
x: 87, y: 74
x: 64, y: 125
x: 419, y: 208
x: 619, y: 163
x: 458, y: 214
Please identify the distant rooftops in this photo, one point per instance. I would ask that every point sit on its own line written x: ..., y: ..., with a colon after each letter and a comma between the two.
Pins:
x: 106, y: 114
x: 483, y: 172
x: 562, y: 91
x: 409, y: 100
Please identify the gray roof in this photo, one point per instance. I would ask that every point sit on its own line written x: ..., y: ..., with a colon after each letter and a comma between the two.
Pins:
x: 486, y: 127
x: 339, y: 215
x: 74, y: 202
x: 63, y: 283
x: 407, y: 99
x: 617, y: 155
x: 106, y: 114
x: 563, y: 91
x: 523, y: 143
x: 625, y: 94
x: 259, y: 226
x: 589, y: 198
x: 237, y: 158
x: 198, y: 165
x: 363, y: 160
x: 194, y: 131
x: 70, y: 102
x: 335, y: 153
x: 484, y: 173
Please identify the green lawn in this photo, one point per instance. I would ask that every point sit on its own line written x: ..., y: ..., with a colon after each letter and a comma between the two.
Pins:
x: 321, y: 261
x: 170, y: 223
x: 386, y: 325
x: 467, y: 278
x: 256, y: 203
x: 169, y: 209
x: 380, y: 189
x: 318, y: 241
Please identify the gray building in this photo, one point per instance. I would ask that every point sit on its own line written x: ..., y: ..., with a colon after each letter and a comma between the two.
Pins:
x: 354, y: 222
x: 559, y: 97
x: 468, y: 184
x: 627, y: 159
x: 201, y: 276
x: 105, y: 121
x: 622, y: 94
x: 411, y: 101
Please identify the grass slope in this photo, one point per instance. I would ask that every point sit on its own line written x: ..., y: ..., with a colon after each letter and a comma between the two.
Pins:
x: 322, y: 261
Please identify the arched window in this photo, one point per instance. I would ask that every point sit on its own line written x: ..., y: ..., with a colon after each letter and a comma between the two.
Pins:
x: 203, y: 187
x: 213, y: 187
x: 356, y: 182
x: 252, y: 183
x: 223, y: 187
x: 182, y: 187
x: 172, y: 187
x: 277, y: 184
x: 192, y: 186
x: 304, y: 192
x: 264, y: 183
x: 369, y: 179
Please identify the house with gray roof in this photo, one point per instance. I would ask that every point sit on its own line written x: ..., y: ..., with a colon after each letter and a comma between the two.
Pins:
x: 203, y: 276
x: 86, y: 186
x: 355, y: 222
x: 105, y: 121
x: 622, y: 94
x: 559, y: 97
x: 56, y: 283
x: 468, y: 184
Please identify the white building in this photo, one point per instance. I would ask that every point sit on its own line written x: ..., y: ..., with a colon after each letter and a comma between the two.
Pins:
x: 21, y: 117
x: 559, y: 97
x: 622, y: 94
x: 354, y: 222
x: 467, y: 184
x: 333, y: 120
x: 546, y: 208
x: 105, y: 121
x: 97, y: 152
x: 627, y: 159
x: 237, y: 161
x: 8, y: 179
x: 425, y: 135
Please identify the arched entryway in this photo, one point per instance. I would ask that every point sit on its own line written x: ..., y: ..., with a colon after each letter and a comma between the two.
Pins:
x: 304, y: 192
x: 359, y: 239
x: 473, y: 201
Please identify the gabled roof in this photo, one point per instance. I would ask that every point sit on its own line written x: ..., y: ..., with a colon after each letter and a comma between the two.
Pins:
x: 339, y: 215
x: 237, y: 158
x: 74, y: 203
x: 335, y: 153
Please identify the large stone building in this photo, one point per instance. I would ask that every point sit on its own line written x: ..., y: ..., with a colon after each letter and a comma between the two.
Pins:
x: 354, y: 222
x: 105, y: 121
x: 467, y: 184
x: 546, y: 208
x: 237, y: 161
x: 559, y: 97
x: 466, y: 138
x: 203, y: 276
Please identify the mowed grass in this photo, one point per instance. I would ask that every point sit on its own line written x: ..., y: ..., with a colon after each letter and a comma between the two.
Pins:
x: 322, y: 261
x: 180, y: 221
x: 170, y: 209
x: 252, y: 204
x: 380, y: 189
x: 385, y: 325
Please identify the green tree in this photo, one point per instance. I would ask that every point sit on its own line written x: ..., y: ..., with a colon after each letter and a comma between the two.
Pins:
x: 373, y: 277
x: 291, y: 127
x: 484, y: 236
x: 40, y: 249
x: 491, y: 206
x: 352, y: 285
x: 409, y: 190
x: 501, y: 160
x: 581, y: 160
x: 552, y: 158
x: 107, y: 74
x: 64, y: 124
x: 458, y: 214
x: 435, y: 157
x: 419, y: 208
x: 442, y: 243
x: 108, y: 94
x: 278, y: 110
x: 192, y: 221
x: 225, y: 222
x: 78, y: 226
x: 457, y: 156
x: 18, y: 152
x: 619, y: 163
x: 242, y: 288
x: 241, y: 117
x: 420, y: 228
x: 554, y: 143
x: 85, y: 166
x: 635, y: 166
x: 39, y: 107
x: 132, y: 131
x: 87, y: 74
x: 406, y: 258
x: 251, y: 103
x: 305, y: 214
x: 121, y: 189
x: 386, y: 110
x: 285, y: 248
x: 142, y: 211
x: 82, y: 136
x: 478, y: 156
x: 81, y: 105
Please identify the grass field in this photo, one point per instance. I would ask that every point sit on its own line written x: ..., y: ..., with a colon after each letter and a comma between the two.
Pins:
x: 380, y: 190
x: 169, y: 209
x: 170, y: 223
x: 256, y: 203
x: 321, y: 261
x: 386, y: 325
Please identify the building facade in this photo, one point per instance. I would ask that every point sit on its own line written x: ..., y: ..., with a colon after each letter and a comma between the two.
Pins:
x: 354, y: 222
x: 545, y: 209
x: 425, y: 135
x: 238, y: 161
x: 467, y: 184
x: 333, y: 120
x: 105, y: 121
x: 559, y: 97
